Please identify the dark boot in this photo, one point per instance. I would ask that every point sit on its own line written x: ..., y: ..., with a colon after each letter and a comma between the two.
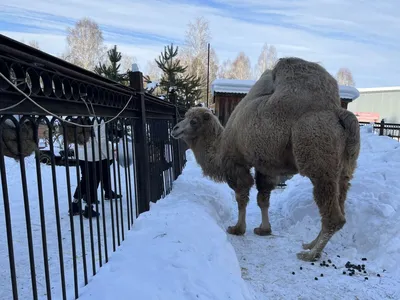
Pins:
x: 112, y: 195
x: 76, y: 211
x: 90, y: 212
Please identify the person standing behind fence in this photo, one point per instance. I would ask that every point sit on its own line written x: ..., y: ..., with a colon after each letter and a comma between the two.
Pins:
x: 91, y: 169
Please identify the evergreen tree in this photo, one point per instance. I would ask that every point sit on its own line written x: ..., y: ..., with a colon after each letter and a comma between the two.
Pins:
x: 191, y: 90
x: 112, y: 70
x: 186, y: 87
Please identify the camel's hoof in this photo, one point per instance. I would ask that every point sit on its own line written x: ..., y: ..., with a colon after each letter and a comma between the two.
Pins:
x: 262, y: 231
x: 236, y: 230
x: 308, y: 256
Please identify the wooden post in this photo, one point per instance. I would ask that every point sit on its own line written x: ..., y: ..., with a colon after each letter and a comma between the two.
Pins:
x: 382, y: 127
x: 141, y: 146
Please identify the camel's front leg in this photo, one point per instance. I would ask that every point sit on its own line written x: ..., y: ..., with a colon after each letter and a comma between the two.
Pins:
x: 241, y: 182
x: 265, y: 185
x: 242, y: 198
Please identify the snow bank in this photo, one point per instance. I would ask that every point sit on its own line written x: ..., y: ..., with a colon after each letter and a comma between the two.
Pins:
x: 177, y: 250
x: 372, y: 207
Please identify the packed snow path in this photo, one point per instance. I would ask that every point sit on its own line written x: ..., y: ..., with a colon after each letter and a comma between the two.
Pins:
x: 267, y: 264
x: 372, y: 231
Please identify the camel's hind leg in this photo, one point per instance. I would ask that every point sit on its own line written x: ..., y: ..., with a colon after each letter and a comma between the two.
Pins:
x: 344, y: 183
x: 326, y: 194
x: 265, y: 185
x: 343, y: 188
x: 316, y: 145
x: 309, y: 246
x: 241, y: 182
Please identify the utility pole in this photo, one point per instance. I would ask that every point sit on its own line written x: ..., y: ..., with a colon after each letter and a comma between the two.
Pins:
x: 208, y: 71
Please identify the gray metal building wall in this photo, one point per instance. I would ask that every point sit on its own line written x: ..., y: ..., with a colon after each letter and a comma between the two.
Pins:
x: 386, y: 103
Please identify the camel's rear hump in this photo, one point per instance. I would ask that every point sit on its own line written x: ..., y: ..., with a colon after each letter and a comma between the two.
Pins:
x: 264, y: 86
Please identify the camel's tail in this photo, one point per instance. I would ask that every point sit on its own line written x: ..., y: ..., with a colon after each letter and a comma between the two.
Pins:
x: 352, y: 130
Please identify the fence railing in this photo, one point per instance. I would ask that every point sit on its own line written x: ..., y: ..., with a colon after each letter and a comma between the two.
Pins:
x: 388, y: 129
x: 64, y: 132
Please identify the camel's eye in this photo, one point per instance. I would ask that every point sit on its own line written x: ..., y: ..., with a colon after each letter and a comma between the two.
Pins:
x: 193, y: 122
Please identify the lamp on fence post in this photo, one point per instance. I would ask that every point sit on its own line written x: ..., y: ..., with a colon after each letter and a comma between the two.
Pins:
x: 141, y: 145
x: 176, y: 144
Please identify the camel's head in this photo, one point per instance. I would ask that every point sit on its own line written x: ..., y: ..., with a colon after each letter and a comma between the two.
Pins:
x: 198, y: 121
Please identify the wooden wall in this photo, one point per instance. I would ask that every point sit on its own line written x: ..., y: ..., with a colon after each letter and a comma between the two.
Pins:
x: 225, y: 103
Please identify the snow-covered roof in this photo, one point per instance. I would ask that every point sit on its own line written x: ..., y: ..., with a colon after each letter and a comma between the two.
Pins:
x: 348, y: 92
x: 380, y: 89
x: 236, y: 86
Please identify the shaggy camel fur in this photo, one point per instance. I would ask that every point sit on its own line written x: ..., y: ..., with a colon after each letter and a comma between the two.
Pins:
x: 290, y: 122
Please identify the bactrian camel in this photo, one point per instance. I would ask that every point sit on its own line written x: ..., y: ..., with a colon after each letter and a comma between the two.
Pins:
x: 290, y: 122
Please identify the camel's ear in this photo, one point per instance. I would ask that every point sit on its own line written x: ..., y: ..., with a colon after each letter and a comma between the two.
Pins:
x: 207, y: 116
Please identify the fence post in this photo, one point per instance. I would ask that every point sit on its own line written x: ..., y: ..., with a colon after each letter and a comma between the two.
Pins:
x: 141, y: 146
x: 177, y: 150
x: 382, y: 127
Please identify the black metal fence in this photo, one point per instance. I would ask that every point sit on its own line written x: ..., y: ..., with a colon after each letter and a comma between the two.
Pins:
x: 388, y: 129
x: 65, y: 131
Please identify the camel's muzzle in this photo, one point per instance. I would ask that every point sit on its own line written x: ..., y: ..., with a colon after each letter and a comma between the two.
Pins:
x: 177, y: 132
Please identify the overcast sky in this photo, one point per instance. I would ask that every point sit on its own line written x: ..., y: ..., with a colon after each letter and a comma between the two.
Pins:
x: 361, y: 35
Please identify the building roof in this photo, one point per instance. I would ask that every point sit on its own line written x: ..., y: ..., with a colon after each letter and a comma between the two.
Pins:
x: 380, y: 89
x: 236, y: 86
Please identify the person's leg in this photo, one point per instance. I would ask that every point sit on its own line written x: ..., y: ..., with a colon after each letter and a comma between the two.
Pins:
x: 80, y: 190
x: 90, y: 197
x: 109, y: 193
x: 106, y: 176
x: 92, y: 185
x: 81, y: 187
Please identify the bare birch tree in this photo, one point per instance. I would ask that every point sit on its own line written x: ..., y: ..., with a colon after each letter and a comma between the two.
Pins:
x: 266, y: 60
x: 85, y: 46
x: 194, y: 54
x: 126, y: 62
x: 153, y: 71
x: 345, y: 77
x: 240, y: 68
x: 32, y: 43
x: 225, y: 69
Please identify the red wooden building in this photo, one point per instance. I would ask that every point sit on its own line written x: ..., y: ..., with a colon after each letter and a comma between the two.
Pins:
x: 227, y: 93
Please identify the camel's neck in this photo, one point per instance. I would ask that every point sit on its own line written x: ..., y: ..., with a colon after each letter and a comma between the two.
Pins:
x: 206, y: 149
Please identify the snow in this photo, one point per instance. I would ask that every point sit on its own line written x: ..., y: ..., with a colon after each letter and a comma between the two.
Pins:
x: 180, y: 249
x: 177, y: 250
x: 21, y: 253
x: 237, y: 86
